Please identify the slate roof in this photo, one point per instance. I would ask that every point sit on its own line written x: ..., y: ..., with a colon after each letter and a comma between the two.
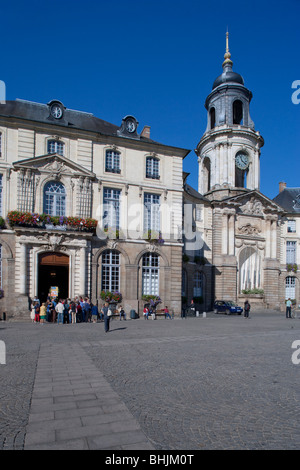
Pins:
x: 289, y: 199
x: 192, y: 192
x: 72, y: 119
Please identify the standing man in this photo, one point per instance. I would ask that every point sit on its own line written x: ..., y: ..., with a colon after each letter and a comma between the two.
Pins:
x: 288, y: 312
x: 246, y: 309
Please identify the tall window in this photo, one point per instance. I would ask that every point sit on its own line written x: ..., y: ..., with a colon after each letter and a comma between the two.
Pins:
x: 291, y: 252
x: 237, y: 111
x: 112, y: 161
x: 151, y: 212
x: 54, y: 199
x: 0, y: 144
x: 183, y: 283
x: 152, y: 167
x: 110, y: 271
x: 197, y: 291
x: 290, y: 287
x: 1, y: 194
x: 150, y: 274
x: 55, y: 146
x: 111, y: 208
x: 212, y: 114
x: 249, y: 269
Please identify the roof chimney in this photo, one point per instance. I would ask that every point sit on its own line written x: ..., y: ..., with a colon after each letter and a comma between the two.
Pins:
x: 146, y: 132
x: 282, y: 186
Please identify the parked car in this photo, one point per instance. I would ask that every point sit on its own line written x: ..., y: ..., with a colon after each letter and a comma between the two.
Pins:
x: 227, y: 306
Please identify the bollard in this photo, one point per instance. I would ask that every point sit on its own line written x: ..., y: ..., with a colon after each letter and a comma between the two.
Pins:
x: 197, y: 314
x: 4, y: 316
x: 204, y: 314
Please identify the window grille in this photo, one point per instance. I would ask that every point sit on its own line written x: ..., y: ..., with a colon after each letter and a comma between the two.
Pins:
x: 111, y: 271
x: 55, y: 199
x: 151, y: 212
x: 291, y: 226
x: 55, y: 146
x: 112, y: 161
x: 291, y: 252
x: 111, y: 208
x: 152, y: 168
x: 290, y: 287
x: 150, y: 274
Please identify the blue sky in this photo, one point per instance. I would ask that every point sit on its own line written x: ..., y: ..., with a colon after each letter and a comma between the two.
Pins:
x: 157, y: 60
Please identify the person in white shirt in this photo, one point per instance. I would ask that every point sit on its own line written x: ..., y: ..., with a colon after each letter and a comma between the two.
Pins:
x: 60, y: 309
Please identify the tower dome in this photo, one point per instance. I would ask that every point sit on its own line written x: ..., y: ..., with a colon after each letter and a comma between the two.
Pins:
x: 229, y: 151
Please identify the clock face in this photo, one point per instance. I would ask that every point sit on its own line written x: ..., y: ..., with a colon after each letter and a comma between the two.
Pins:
x: 130, y: 126
x: 56, y: 111
x: 241, y: 160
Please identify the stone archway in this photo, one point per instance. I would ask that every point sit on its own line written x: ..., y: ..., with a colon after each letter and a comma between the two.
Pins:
x: 53, y: 271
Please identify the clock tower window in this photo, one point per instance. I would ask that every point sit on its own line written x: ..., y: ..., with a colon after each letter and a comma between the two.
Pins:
x: 212, y: 114
x: 237, y: 112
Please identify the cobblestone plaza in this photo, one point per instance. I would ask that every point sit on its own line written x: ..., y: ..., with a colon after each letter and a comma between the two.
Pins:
x: 214, y: 383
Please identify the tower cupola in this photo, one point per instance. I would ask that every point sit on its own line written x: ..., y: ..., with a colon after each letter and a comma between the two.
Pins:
x: 229, y: 101
x: 229, y: 151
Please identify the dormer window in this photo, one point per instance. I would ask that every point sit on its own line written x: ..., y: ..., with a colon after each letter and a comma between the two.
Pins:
x: 113, y: 161
x: 152, y: 168
x: 56, y: 146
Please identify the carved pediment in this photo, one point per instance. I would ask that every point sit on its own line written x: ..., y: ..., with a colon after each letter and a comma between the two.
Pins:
x: 54, y: 164
x: 252, y: 207
x: 254, y: 203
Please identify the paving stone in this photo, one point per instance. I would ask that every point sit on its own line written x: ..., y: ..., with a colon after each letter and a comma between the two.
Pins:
x: 190, y: 384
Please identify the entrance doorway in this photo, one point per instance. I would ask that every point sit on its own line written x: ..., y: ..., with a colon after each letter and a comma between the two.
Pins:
x: 53, y: 272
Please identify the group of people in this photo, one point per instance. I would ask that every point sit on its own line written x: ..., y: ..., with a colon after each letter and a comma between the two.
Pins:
x: 77, y: 310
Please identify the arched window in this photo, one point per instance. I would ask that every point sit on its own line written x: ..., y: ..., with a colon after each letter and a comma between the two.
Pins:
x: 152, y: 168
x: 56, y: 146
x: 250, y: 269
x: 54, y: 199
x: 113, y: 161
x: 150, y: 274
x: 237, y: 112
x: 198, y: 284
x: 206, y: 174
x: 110, y: 279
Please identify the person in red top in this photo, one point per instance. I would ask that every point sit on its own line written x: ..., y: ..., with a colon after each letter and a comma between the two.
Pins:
x: 167, y: 314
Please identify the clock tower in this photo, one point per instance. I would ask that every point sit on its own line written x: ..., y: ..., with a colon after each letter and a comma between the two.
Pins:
x: 229, y: 151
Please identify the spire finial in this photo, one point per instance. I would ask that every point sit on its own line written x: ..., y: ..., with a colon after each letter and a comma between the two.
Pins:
x: 227, y: 54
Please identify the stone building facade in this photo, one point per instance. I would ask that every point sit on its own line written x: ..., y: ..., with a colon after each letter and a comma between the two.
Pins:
x: 90, y: 207
x: 289, y: 199
x: 240, y: 230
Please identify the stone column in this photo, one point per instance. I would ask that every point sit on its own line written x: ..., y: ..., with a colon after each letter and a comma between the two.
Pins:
x: 225, y: 233
x: 231, y: 233
x: 83, y: 259
x: 23, y: 268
